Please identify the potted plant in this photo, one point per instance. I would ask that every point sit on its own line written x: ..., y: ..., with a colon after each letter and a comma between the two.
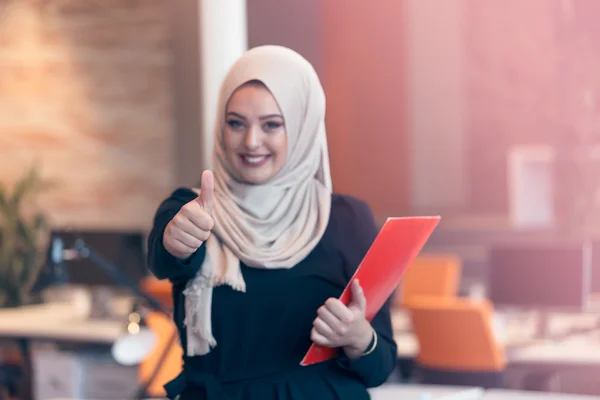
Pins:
x: 23, y: 233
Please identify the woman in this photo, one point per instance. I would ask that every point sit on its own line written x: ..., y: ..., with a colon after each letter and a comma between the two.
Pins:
x: 259, y: 255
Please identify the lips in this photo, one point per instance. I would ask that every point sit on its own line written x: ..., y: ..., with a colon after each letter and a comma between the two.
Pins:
x: 255, y: 160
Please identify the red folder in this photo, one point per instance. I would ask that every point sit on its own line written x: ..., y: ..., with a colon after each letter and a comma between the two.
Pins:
x: 393, y: 251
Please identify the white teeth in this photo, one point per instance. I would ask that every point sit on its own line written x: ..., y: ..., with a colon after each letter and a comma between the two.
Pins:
x: 254, y: 160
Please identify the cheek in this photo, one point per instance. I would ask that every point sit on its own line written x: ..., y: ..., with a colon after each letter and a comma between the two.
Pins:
x: 230, y: 141
x: 278, y: 145
x: 279, y: 148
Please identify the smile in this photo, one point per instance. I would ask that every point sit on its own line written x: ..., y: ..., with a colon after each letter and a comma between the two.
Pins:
x: 254, y: 160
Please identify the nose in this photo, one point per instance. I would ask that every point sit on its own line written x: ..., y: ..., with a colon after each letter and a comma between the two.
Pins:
x: 252, y: 138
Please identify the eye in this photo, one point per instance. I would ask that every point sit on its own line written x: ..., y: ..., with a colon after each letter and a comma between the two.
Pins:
x: 272, y: 125
x: 235, y: 124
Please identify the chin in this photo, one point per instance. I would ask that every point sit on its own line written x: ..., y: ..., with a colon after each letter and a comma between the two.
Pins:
x: 256, y: 178
x: 254, y: 174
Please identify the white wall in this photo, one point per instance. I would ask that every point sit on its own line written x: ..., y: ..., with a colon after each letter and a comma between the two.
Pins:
x: 223, y: 39
x: 208, y: 36
x: 435, y: 104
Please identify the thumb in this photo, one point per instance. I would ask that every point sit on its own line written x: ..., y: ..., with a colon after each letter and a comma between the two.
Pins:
x: 207, y: 188
x: 358, y: 296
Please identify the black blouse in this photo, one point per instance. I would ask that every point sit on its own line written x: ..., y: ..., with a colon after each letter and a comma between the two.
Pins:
x: 263, y: 334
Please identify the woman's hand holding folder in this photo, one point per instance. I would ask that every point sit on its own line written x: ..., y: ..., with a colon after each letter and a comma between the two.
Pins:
x: 338, y: 325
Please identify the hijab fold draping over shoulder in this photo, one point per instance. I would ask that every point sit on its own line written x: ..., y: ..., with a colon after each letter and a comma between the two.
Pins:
x: 272, y: 225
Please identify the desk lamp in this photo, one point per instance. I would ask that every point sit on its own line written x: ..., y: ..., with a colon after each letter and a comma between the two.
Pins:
x: 53, y: 273
x: 138, y: 341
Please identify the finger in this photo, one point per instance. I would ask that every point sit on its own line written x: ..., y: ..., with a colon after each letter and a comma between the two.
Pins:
x: 207, y: 187
x: 180, y: 247
x: 188, y: 240
x: 319, y: 339
x: 358, y: 295
x: 198, y: 217
x: 324, y: 329
x: 331, y: 320
x: 340, y: 310
x: 186, y: 225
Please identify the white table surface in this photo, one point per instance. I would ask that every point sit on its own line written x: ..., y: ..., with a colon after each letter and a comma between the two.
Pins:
x: 59, y: 321
x: 502, y: 394
x: 413, y: 392
x: 424, y: 392
x: 579, y: 350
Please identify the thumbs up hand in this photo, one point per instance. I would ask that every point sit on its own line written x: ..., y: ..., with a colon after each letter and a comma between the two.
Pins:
x: 191, y: 227
x: 338, y: 325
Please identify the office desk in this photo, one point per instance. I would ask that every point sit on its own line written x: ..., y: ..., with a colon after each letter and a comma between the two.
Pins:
x: 501, y: 394
x: 412, y: 392
x: 57, y: 322
x: 532, y: 363
x: 577, y: 350
x: 573, y: 364
x: 88, y: 356
x: 519, y: 342
x: 429, y: 392
x: 408, y: 345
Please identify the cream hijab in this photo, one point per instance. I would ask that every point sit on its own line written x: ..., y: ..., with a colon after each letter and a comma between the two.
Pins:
x: 272, y: 225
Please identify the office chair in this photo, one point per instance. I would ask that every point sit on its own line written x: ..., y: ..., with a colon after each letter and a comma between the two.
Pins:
x: 457, y: 345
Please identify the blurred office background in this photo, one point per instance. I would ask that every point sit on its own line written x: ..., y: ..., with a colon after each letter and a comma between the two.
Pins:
x: 484, y: 112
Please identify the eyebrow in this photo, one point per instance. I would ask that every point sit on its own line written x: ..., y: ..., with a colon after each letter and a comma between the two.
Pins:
x: 262, y: 117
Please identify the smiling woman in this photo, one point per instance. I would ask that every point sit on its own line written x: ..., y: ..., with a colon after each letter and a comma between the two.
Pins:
x: 254, y: 136
x: 260, y: 254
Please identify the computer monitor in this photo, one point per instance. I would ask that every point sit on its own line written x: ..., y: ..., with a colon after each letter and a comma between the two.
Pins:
x: 550, y: 276
x: 126, y: 250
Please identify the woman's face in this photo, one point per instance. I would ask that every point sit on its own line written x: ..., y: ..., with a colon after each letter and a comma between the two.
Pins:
x: 254, y: 137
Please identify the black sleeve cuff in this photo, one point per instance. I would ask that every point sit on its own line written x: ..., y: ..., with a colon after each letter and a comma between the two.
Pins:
x: 371, y: 368
x: 351, y: 363
x: 177, y: 270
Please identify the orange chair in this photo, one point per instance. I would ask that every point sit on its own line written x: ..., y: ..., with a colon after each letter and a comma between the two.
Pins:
x: 166, y: 332
x: 436, y: 275
x: 457, y: 345
x: 159, y: 289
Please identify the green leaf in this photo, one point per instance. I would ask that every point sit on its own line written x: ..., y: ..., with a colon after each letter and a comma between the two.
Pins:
x: 39, y: 222
x: 24, y: 187
x: 3, y: 199
x: 17, y: 266
x: 20, y: 244
x: 26, y: 233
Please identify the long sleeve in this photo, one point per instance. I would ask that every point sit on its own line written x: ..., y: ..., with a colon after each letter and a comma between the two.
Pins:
x: 374, y: 368
x: 162, y: 264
